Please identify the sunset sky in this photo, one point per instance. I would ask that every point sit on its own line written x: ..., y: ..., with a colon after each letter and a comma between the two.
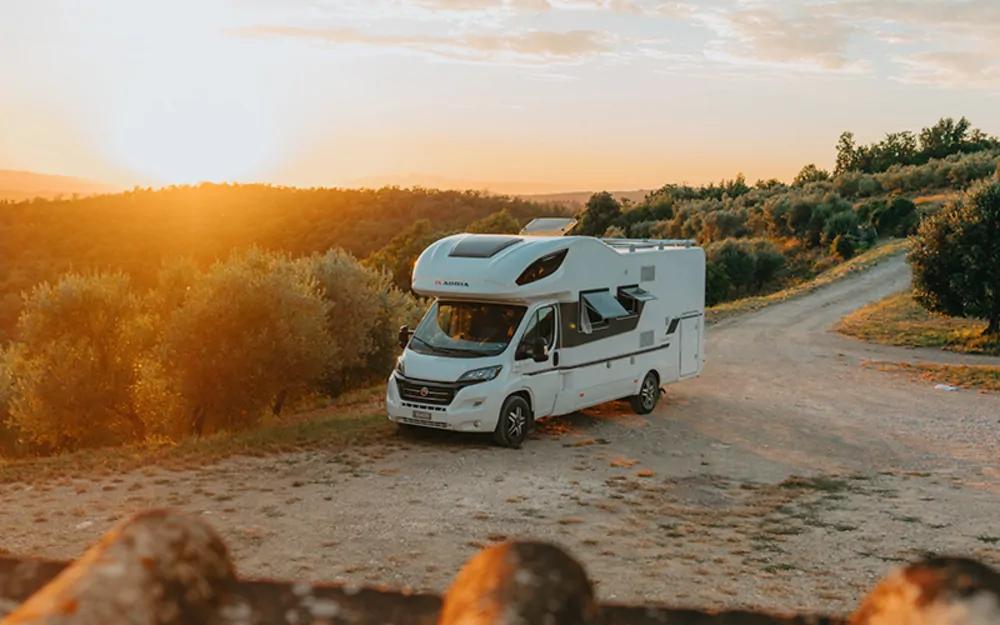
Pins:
x: 559, y: 94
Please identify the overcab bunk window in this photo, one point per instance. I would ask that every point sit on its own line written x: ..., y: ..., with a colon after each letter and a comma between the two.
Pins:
x: 597, y: 308
x: 632, y: 296
x: 541, y: 268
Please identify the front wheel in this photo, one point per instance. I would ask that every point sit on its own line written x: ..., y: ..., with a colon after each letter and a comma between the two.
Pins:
x: 649, y: 394
x: 514, y: 423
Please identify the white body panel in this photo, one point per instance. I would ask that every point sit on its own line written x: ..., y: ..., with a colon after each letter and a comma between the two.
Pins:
x: 582, y: 369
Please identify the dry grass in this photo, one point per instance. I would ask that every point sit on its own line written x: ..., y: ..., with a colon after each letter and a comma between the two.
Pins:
x: 354, y: 419
x: 899, y: 320
x: 983, y: 377
x: 882, y: 251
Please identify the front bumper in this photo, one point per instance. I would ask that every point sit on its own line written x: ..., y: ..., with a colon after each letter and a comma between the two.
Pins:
x: 444, y: 405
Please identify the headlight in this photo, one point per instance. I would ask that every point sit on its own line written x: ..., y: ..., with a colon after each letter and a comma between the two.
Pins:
x: 399, y: 366
x: 481, y: 375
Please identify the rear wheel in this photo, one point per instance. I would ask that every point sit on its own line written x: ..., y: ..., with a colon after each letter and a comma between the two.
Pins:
x: 514, y: 423
x: 649, y: 394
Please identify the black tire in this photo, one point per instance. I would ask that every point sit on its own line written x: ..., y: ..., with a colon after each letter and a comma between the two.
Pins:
x: 514, y: 423
x: 649, y: 394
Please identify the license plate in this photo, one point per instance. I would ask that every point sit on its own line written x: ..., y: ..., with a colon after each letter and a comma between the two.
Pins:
x: 420, y: 414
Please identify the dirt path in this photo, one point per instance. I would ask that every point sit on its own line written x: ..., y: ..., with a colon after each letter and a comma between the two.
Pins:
x: 690, y: 505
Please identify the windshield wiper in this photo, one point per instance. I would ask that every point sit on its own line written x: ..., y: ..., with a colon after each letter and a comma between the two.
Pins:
x: 438, y: 349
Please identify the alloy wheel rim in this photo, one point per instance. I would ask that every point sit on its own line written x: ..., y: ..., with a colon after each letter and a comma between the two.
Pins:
x: 648, y: 393
x: 515, y: 422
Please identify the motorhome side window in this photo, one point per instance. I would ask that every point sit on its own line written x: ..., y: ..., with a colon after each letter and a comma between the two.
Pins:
x: 598, y: 308
x: 632, y: 296
x: 541, y: 325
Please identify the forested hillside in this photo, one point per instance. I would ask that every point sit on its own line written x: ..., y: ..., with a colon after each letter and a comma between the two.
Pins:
x: 135, y: 231
x: 160, y: 314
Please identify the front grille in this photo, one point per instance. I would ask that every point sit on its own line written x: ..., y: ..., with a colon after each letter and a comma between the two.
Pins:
x: 435, y: 394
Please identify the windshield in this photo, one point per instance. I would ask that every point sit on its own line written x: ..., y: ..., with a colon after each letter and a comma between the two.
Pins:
x: 467, y: 329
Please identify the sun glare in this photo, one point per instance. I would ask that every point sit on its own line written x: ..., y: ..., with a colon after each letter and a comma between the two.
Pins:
x: 176, y: 140
x: 193, y: 112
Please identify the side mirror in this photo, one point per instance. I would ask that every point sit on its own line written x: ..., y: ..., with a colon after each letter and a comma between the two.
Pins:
x: 404, y: 336
x: 538, y: 353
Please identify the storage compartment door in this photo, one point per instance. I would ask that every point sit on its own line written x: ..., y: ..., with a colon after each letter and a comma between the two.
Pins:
x: 690, y: 345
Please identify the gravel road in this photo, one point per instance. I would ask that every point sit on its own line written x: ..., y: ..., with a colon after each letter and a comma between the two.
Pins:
x: 788, y: 476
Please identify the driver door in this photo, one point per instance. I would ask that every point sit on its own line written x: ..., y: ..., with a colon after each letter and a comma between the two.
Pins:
x: 541, y: 378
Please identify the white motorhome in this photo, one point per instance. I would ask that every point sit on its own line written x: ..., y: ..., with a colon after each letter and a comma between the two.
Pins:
x: 535, y: 325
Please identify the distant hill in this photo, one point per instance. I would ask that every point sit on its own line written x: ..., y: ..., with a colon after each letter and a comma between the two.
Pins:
x: 581, y: 197
x: 24, y: 185
x: 534, y: 191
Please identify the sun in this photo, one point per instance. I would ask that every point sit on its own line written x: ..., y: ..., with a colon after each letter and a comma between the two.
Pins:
x: 183, y: 138
x: 191, y: 113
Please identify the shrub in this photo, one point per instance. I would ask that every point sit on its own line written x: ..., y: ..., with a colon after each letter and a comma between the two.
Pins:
x: 844, y: 246
x: 716, y: 283
x: 75, y: 361
x: 956, y: 257
x: 253, y: 327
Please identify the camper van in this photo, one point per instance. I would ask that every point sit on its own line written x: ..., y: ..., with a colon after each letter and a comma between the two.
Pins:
x: 539, y: 324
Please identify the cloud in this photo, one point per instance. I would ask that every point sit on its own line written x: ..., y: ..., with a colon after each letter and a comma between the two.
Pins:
x: 952, y: 70
x: 534, y: 47
x: 808, y: 40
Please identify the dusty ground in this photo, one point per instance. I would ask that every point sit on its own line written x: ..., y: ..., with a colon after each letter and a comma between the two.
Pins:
x: 693, y: 505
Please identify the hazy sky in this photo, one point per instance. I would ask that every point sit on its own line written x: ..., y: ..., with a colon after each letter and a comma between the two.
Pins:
x: 582, y: 94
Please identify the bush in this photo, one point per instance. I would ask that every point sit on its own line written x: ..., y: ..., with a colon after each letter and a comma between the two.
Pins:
x: 844, y: 246
x: 75, y: 362
x: 366, y: 312
x: 716, y: 283
x: 737, y: 259
x: 840, y: 225
x: 956, y: 258
x: 896, y: 218
x: 252, y: 328
x: 8, y: 431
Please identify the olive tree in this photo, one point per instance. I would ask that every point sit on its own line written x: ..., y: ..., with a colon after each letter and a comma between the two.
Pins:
x: 956, y: 257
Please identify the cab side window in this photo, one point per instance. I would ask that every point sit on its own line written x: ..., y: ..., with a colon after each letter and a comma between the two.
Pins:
x: 542, y: 324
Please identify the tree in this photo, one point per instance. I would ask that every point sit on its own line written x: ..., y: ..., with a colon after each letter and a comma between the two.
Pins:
x: 75, y: 360
x: 956, y: 257
x: 716, y: 283
x: 399, y: 256
x: 844, y: 246
x: 600, y: 213
x: 810, y: 173
x: 500, y: 222
x: 847, y: 153
x: 252, y: 327
x: 737, y: 259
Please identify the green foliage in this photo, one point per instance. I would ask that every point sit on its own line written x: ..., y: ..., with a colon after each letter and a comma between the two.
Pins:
x: 956, y: 257
x: 737, y: 259
x: 716, y: 283
x: 76, y: 360
x: 844, y: 246
x: 500, y: 222
x: 366, y: 310
x: 768, y: 262
x: 8, y: 431
x: 946, y: 138
x: 134, y: 231
x: 399, y: 256
x: 251, y: 328
x: 94, y: 364
x: 600, y: 213
x: 843, y: 224
x: 810, y: 173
